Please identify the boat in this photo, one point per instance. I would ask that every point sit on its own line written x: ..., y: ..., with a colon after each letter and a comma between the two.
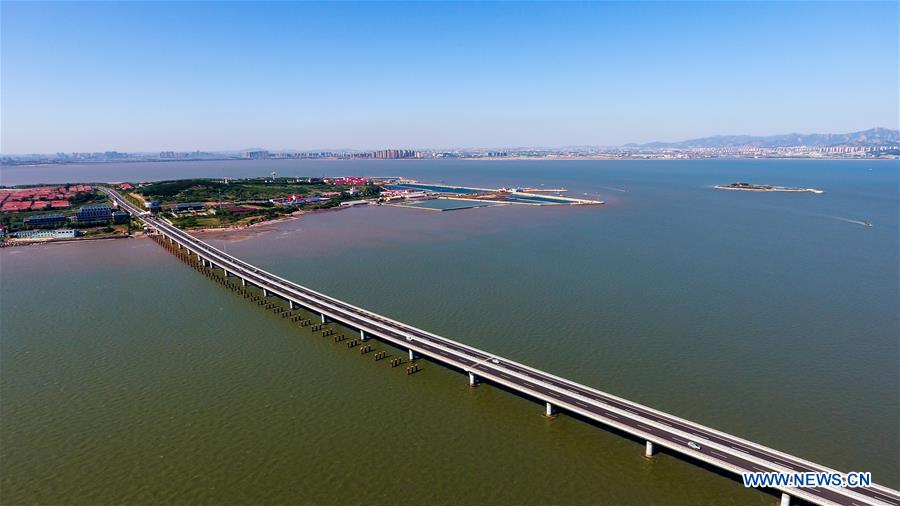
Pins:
x: 866, y: 223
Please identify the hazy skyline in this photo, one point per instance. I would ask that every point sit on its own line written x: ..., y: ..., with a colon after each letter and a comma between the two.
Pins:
x: 219, y: 76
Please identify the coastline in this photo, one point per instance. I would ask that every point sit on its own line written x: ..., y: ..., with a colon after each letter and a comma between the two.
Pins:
x: 257, y: 228
x: 38, y: 242
x: 293, y: 216
x: 248, y: 230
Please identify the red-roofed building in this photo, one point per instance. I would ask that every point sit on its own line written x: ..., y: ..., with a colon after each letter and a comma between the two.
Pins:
x: 59, y: 204
x: 15, y: 206
x: 125, y: 186
x: 39, y: 204
x: 349, y: 180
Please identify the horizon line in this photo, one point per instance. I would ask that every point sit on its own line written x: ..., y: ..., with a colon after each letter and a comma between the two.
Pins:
x: 438, y: 149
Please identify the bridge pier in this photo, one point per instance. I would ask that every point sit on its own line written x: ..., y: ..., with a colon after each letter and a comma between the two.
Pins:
x: 243, y: 282
x: 785, y: 499
x: 293, y: 305
x: 324, y: 318
x: 227, y: 274
x: 412, y: 355
x: 472, y: 379
x: 649, y: 450
x: 267, y: 293
x: 362, y: 335
x: 549, y: 410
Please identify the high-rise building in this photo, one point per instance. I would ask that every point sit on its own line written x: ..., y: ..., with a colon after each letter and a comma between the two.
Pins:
x: 392, y: 154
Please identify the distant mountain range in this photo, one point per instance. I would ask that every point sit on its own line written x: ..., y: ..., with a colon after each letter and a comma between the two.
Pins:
x: 871, y: 137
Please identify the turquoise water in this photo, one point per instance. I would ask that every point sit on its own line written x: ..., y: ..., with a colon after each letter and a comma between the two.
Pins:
x: 126, y: 377
x: 455, y: 190
x: 447, y: 204
x: 531, y: 199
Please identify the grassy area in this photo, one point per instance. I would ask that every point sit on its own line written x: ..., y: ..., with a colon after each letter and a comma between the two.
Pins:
x: 134, y: 199
x: 210, y: 190
x: 222, y: 217
x: 252, y: 195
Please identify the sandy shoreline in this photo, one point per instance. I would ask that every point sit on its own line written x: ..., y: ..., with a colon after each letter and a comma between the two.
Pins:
x: 258, y: 227
x: 293, y: 216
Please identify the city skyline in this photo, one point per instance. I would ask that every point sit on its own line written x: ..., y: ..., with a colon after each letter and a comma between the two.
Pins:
x: 874, y: 139
x: 219, y: 77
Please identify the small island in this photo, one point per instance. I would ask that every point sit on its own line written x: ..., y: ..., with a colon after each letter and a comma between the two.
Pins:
x: 764, y: 188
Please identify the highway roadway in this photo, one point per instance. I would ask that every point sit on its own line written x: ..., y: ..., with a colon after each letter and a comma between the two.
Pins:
x: 702, y: 443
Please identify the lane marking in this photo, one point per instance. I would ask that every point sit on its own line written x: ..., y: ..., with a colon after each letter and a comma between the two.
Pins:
x: 880, y: 495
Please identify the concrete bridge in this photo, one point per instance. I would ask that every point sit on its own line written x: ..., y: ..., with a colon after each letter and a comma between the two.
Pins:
x: 656, y: 428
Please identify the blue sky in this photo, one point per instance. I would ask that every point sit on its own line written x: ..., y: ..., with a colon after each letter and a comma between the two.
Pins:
x: 134, y: 76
